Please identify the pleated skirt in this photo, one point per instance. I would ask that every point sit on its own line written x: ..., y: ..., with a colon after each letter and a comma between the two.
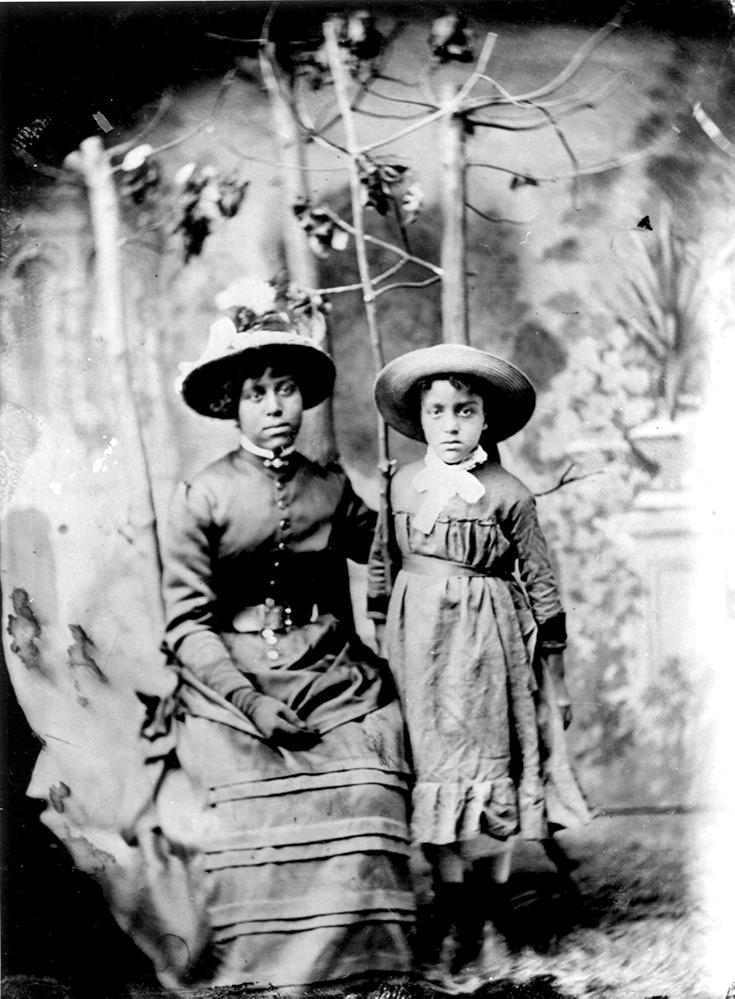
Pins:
x: 305, y: 854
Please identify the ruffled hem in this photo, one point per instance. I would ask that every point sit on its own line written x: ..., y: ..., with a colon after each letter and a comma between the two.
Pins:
x: 446, y: 812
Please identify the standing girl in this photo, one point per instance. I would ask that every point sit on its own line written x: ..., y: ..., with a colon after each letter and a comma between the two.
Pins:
x: 475, y: 626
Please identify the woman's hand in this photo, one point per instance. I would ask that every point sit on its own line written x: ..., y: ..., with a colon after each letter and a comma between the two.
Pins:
x: 276, y: 721
x: 559, y: 693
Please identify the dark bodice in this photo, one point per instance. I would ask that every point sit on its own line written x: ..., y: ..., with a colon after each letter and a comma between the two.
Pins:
x: 498, y: 535
x: 242, y: 533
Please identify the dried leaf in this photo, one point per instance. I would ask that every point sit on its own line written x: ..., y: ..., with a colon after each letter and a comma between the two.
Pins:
x: 450, y: 40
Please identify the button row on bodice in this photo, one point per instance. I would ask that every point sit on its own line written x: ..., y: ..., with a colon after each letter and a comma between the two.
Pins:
x: 269, y: 635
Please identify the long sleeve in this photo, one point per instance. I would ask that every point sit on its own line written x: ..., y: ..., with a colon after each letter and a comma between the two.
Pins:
x: 536, y: 572
x: 355, y: 525
x: 190, y: 600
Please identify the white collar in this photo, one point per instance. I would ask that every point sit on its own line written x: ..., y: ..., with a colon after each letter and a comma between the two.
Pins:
x: 264, y: 452
x: 440, y: 482
x: 435, y: 463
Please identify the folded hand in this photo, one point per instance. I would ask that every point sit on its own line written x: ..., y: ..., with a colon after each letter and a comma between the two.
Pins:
x: 277, y: 722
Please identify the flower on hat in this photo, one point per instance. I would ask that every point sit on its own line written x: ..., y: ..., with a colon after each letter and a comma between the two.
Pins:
x: 249, y: 293
x: 222, y: 337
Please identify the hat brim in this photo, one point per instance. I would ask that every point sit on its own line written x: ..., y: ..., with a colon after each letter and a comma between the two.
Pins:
x: 510, y: 398
x: 213, y: 388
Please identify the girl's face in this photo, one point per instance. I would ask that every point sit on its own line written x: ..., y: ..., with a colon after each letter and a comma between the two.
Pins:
x: 452, y: 419
x: 270, y: 409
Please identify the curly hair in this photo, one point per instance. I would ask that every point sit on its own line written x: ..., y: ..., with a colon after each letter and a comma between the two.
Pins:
x: 474, y: 385
x: 229, y: 400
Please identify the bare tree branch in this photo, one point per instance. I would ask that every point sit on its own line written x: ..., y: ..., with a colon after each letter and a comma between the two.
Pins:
x: 287, y: 166
x: 396, y: 79
x: 712, y: 131
x: 551, y: 119
x: 390, y: 271
x: 338, y: 289
x: 566, y: 479
x: 374, y: 74
x: 164, y: 106
x: 489, y: 218
x: 227, y: 80
x: 569, y: 151
x: 594, y: 168
x: 265, y: 31
x: 407, y: 257
x: 45, y: 169
x: 392, y: 117
x: 507, y: 125
x: 452, y: 107
x: 581, y: 98
x: 360, y: 93
x: 406, y: 284
x: 580, y: 57
x: 401, y: 100
x: 306, y: 123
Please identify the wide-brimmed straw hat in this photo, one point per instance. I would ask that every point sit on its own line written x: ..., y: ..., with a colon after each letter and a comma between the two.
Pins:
x: 509, y: 396
x: 212, y: 384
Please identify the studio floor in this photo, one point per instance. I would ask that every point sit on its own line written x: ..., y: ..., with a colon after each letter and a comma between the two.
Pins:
x: 635, y: 929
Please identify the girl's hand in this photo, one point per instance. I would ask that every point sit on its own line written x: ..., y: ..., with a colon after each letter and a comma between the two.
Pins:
x: 563, y: 702
x: 555, y: 664
x: 278, y: 723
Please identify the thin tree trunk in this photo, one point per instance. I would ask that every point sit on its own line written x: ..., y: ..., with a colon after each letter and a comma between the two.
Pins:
x: 93, y: 163
x: 341, y: 89
x: 455, y: 325
x: 318, y: 429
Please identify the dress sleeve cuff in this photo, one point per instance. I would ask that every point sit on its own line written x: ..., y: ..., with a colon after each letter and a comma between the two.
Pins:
x: 244, y: 699
x: 377, y: 607
x: 552, y: 633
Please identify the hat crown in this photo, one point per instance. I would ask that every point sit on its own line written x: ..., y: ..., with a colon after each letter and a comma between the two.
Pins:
x: 275, y: 328
x: 272, y: 322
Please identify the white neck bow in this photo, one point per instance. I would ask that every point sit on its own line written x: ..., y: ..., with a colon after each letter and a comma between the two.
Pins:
x: 441, y: 482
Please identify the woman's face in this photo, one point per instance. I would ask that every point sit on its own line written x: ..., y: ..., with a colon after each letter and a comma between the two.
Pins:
x: 270, y: 409
x: 452, y: 419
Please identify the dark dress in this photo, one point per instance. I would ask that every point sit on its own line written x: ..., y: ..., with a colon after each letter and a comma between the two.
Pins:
x: 304, y: 853
x: 473, y: 601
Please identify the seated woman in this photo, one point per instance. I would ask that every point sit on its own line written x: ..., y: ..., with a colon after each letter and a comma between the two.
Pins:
x: 288, y: 723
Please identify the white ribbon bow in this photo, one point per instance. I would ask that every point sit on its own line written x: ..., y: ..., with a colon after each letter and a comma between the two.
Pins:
x: 441, y: 482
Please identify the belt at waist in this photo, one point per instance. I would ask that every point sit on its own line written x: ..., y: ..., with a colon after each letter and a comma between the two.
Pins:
x: 426, y: 565
x: 270, y: 617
